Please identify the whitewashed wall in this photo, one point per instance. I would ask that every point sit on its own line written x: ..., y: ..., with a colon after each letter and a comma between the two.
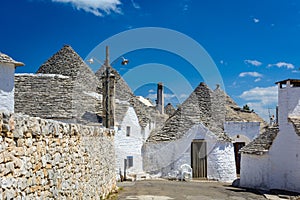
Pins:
x: 7, y: 87
x: 167, y: 157
x: 280, y: 167
x: 129, y: 146
x: 285, y: 151
x: 255, y: 171
x: 221, y: 163
x: 242, y: 131
x: 146, y: 131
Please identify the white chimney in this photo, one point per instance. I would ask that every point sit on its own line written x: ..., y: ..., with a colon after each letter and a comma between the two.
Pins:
x: 7, y: 75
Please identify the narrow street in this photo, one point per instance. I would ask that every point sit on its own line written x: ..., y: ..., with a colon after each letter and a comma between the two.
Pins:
x: 167, y: 190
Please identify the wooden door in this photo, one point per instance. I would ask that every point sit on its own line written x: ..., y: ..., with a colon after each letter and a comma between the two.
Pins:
x: 237, y: 155
x: 199, y: 159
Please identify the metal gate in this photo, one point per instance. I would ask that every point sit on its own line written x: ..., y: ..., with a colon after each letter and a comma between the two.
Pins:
x: 199, y: 159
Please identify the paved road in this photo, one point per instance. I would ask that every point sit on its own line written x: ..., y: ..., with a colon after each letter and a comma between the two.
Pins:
x: 168, y: 190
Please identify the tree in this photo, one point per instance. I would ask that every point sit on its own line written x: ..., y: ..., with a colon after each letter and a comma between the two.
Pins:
x: 246, y: 108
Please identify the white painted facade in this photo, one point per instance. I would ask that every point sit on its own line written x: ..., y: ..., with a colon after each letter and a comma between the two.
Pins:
x: 242, y: 131
x: 7, y: 71
x: 285, y: 151
x: 279, y: 168
x: 255, y: 171
x: 166, y: 157
x: 129, y: 145
x: 221, y: 163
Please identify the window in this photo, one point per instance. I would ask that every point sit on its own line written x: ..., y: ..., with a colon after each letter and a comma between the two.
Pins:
x: 128, y: 131
x: 129, y: 161
x: 119, y: 127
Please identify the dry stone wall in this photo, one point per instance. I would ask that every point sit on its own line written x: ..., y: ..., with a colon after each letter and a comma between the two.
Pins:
x: 45, y: 159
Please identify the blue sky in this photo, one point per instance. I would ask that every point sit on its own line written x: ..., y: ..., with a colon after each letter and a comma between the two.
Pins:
x: 254, y: 43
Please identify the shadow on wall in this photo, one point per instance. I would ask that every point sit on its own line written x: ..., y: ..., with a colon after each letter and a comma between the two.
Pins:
x: 92, y: 117
x: 7, y: 79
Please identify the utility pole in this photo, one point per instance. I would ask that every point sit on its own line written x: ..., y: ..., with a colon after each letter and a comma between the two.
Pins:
x: 108, y: 88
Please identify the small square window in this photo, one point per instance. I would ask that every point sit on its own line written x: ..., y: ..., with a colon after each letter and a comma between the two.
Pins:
x: 128, y: 131
x: 129, y: 161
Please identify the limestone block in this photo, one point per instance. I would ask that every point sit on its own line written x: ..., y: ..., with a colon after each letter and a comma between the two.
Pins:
x: 48, y: 166
x: 54, y: 192
x: 28, y: 134
x: 11, y: 124
x: 18, y: 197
x: 9, y: 194
x: 56, y: 158
x: 8, y: 157
x: 28, y: 142
x: 8, y: 182
x: 34, y: 127
x: 38, y: 180
x: 20, y: 142
x: 9, y: 134
x: 9, y: 140
x: 19, y: 132
x: 5, y: 128
x: 37, y: 167
x: 22, y: 183
x: 51, y: 174
x: 18, y: 163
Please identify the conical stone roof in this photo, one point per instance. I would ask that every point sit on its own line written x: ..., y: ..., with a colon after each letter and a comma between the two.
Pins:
x: 202, y: 106
x: 123, y: 92
x: 85, y: 85
x: 236, y: 114
x: 262, y: 143
x: 169, y: 109
x: 68, y: 63
x: 6, y: 59
x: 296, y: 123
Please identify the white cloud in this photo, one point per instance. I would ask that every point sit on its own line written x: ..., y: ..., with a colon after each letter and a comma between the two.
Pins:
x: 296, y: 71
x: 167, y: 96
x: 135, y: 5
x: 265, y: 95
x: 253, y: 74
x: 152, y: 96
x: 97, y: 7
x: 185, y: 7
x: 282, y: 64
x: 256, y: 20
x: 253, y: 62
x: 257, y: 80
x: 183, y: 96
x: 261, y: 100
x: 151, y: 91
